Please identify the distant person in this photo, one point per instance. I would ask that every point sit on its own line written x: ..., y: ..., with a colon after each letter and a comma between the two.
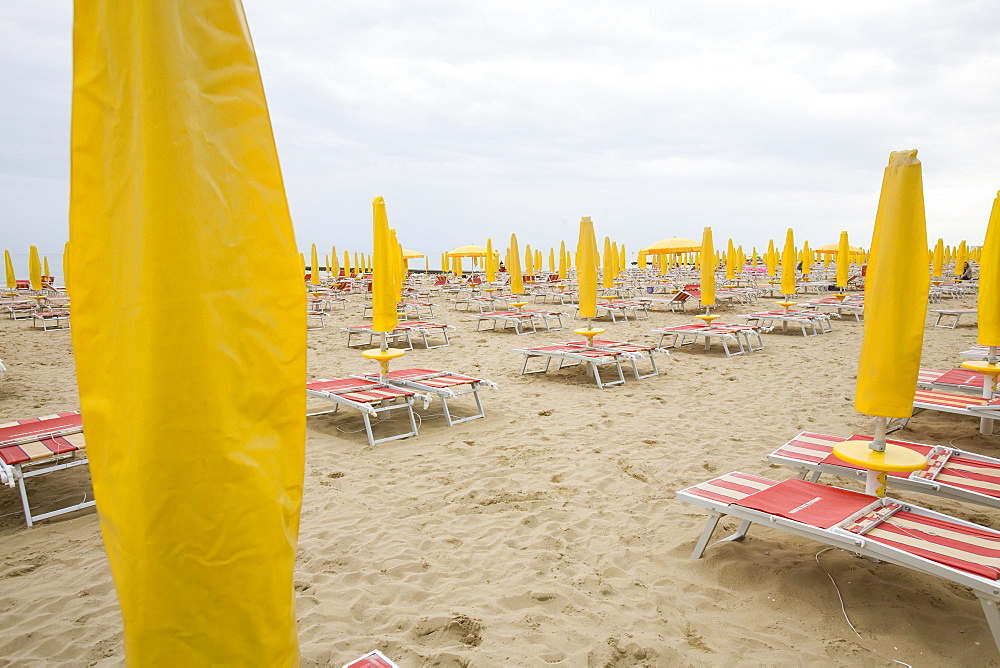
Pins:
x: 966, y: 273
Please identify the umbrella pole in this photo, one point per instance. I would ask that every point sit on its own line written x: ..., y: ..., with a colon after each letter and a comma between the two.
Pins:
x: 875, y: 480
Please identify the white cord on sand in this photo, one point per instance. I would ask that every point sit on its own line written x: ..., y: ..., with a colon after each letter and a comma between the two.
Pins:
x: 842, y: 608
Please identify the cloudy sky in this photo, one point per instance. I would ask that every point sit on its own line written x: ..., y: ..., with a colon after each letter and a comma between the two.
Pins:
x: 478, y: 119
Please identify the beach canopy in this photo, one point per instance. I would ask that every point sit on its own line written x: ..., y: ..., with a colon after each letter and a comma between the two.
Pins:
x: 674, y: 245
x: 468, y: 251
x: 411, y: 254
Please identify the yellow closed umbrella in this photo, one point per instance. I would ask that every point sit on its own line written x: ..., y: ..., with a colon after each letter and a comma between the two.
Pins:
x: 622, y: 259
x: 730, y: 260
x: 9, y: 266
x: 770, y: 258
x: 843, y: 261
x: 347, y: 264
x: 385, y: 316
x: 641, y: 260
x: 937, y: 263
x: 34, y: 269
x: 335, y: 266
x: 586, y: 269
x: 491, y: 266
x: 961, y: 257
x: 529, y: 261
x: 896, y: 293
x: 45, y: 266
x: 65, y: 264
x: 607, y: 273
x: 192, y: 400
x: 313, y: 266
x: 807, y: 260
x: 989, y: 284
x: 514, y: 268
x: 788, y: 265
x: 562, y: 260
x: 538, y: 261
x: 707, y: 270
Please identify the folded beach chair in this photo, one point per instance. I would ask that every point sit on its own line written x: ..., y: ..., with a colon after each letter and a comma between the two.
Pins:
x: 950, y: 473
x: 371, y: 398
x: 885, y: 529
x: 955, y: 313
x: 445, y: 384
x: 39, y: 446
x: 570, y: 355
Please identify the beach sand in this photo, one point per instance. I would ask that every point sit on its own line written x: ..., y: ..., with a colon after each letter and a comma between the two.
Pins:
x: 546, y: 533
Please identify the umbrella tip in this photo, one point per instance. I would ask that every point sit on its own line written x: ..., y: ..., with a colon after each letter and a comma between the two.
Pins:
x: 901, y: 158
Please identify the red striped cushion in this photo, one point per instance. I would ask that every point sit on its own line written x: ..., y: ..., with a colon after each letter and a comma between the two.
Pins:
x: 730, y: 487
x: 36, y: 428
x: 41, y: 449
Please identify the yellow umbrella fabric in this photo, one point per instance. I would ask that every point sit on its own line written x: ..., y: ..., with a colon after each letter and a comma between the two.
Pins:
x: 730, y: 260
x: 770, y: 259
x: 347, y: 263
x: 9, y: 266
x: 514, y: 268
x: 34, y: 269
x: 607, y: 275
x: 529, y: 261
x: 989, y: 281
x: 45, y: 266
x: 335, y: 266
x: 788, y: 264
x: 586, y: 268
x: 491, y: 264
x: 191, y: 399
x: 843, y: 260
x: 622, y: 259
x: 471, y: 250
x: 807, y: 259
x: 385, y: 315
x: 562, y: 260
x: 937, y: 263
x: 961, y: 257
x: 411, y: 254
x: 65, y: 264
x: 313, y: 266
x: 895, y: 294
x: 707, y: 269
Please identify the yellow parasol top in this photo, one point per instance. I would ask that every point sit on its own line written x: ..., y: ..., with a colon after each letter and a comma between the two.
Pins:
x: 896, y: 294
x: 707, y: 269
x: 672, y: 246
x: 468, y: 251
x: 411, y: 254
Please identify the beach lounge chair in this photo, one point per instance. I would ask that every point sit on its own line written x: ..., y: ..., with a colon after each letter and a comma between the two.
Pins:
x: 30, y: 448
x: 445, y: 384
x: 633, y: 353
x: 959, y: 379
x: 614, y: 309
x: 676, y: 301
x: 49, y: 320
x: 521, y: 320
x: 371, y: 398
x: 950, y: 473
x: 402, y: 334
x: 833, y: 305
x: 808, y: 321
x: 955, y: 313
x: 742, y: 335
x: 315, y: 320
x: 570, y: 355
x: 885, y: 529
x: 985, y: 410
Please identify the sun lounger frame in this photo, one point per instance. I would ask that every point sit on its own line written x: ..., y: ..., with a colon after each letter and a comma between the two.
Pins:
x: 575, y: 358
x: 987, y: 591
x: 372, y: 409
x: 443, y: 393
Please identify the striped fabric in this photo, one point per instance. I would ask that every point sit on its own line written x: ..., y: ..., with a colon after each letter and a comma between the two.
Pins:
x: 33, y: 451
x: 971, y: 474
x: 962, y: 377
x: 437, y: 379
x: 357, y: 390
x: 970, y: 549
x: 949, y: 399
x: 23, y: 431
x: 809, y: 447
x: 730, y: 488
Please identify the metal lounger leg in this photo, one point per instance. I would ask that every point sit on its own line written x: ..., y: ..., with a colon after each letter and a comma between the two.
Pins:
x: 706, y: 534
x: 992, y: 613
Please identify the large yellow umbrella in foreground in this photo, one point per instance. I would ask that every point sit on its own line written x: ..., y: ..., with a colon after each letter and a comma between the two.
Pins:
x: 198, y: 465
x: 34, y: 269
x: 895, y: 313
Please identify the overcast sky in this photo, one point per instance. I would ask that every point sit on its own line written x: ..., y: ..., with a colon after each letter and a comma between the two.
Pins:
x: 478, y: 119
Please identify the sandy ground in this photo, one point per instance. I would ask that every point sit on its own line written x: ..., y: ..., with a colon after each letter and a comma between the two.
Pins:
x: 546, y: 533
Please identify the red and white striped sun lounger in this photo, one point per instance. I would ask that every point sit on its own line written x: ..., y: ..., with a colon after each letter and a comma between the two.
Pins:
x: 371, y: 397
x: 818, y: 323
x: 960, y: 380
x: 402, y: 333
x: 738, y: 334
x: 633, y: 353
x: 986, y: 410
x: 418, y: 309
x: 623, y: 308
x: 38, y: 446
x: 855, y: 307
x: 444, y: 384
x: 677, y: 300
x: 950, y: 473
x: 19, y: 309
x: 955, y: 313
x: 570, y: 355
x: 521, y: 320
x: 425, y: 329
x: 886, y: 529
x: 976, y: 352
x: 50, y: 320
x: 315, y: 320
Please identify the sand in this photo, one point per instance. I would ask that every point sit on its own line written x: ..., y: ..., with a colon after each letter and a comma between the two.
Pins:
x: 546, y: 533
